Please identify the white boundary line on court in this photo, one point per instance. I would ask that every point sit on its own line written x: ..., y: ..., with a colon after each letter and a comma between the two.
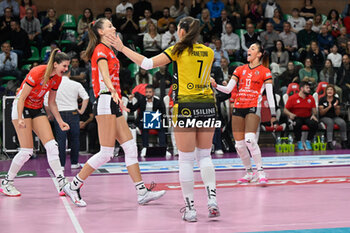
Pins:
x: 69, y: 210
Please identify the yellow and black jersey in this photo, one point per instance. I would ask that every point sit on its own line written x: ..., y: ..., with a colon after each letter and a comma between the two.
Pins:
x: 191, y: 79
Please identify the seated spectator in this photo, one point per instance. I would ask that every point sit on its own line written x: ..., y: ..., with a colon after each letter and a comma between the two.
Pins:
x: 8, y: 62
x: 277, y: 20
x: 121, y: 8
x: 146, y: 21
x: 301, y: 109
x: 279, y: 59
x: 19, y: 41
x: 149, y: 103
x: 325, y: 40
x: 345, y: 10
x: 53, y: 46
x: 206, y: 26
x: 220, y: 24
x: 219, y: 52
x: 308, y: 74
x: 253, y: 13
x: 334, y: 23
x: 297, y: 22
x: 140, y: 8
x: 78, y: 73
x: 51, y: 27
x: 143, y: 77
x: 170, y: 37
x: 179, y: 10
x: 329, y: 74
x: 308, y: 11
x: 346, y: 20
x: 84, y: 21
x: 316, y: 56
x: 88, y: 124
x: 152, y: 41
x: 268, y: 38
x: 348, y: 47
x: 129, y: 27
x: 269, y: 8
x: 335, y: 57
x: 342, y: 40
x: 215, y: 7
x: 196, y: 8
x: 25, y: 4
x: 343, y: 78
x: 329, y: 107
x: 248, y: 39
x: 162, y: 82
x: 306, y: 35
x: 5, y: 24
x: 164, y: 22
x: 289, y: 39
x: 291, y: 75
x: 226, y: 70
x: 32, y: 26
x: 230, y: 43
x: 108, y: 14
x: 9, y: 4
x: 317, y: 23
x: 234, y: 12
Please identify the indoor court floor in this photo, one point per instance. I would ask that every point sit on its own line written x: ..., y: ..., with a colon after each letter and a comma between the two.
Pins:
x: 307, y: 192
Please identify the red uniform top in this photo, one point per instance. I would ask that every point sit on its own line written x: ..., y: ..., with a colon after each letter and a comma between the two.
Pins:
x: 299, y: 106
x: 35, y: 79
x: 103, y: 52
x: 250, y: 85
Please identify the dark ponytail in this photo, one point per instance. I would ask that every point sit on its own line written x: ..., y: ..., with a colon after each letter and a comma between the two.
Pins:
x: 191, y: 27
x: 55, y: 56
x: 94, y: 36
x: 265, y: 58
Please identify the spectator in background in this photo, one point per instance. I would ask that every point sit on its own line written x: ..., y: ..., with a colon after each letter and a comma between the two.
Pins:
x: 207, y: 26
x: 297, y: 22
x: 32, y: 26
x: 161, y: 82
x: 88, y: 124
x: 5, y: 24
x: 268, y: 38
x: 316, y: 56
x: 230, y: 43
x: 53, y: 46
x: 146, y: 21
x: 317, y: 23
x: 308, y: 74
x: 8, y: 62
x: 152, y: 41
x: 163, y: 23
x: 291, y: 75
x: 308, y: 11
x: 248, y: 39
x: 219, y: 52
x: 334, y: 23
x: 11, y: 4
x: 215, y: 7
x: 121, y: 8
x: 143, y: 77
x: 85, y: 63
x: 289, y: 39
x: 253, y: 13
x: 84, y: 21
x: 179, y: 10
x: 129, y: 26
x: 269, y: 8
x: 301, y: 109
x: 306, y: 35
x: 108, y: 14
x: 51, y: 27
x: 19, y: 41
x: 226, y: 70
x: 277, y: 20
x: 279, y: 59
x: 220, y: 23
x: 234, y: 12
x: 325, y: 40
x: 196, y: 8
x: 170, y: 37
x: 329, y: 108
x: 140, y: 8
x: 342, y: 40
x: 346, y: 20
x: 25, y: 4
x: 78, y: 73
x: 335, y: 57
x: 346, y: 10
x: 347, y: 48
x: 329, y: 74
x: 343, y: 78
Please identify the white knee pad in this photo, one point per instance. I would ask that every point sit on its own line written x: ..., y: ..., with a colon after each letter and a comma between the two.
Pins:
x: 102, y: 157
x: 130, y: 151
x: 250, y: 141
x: 186, y: 161
x: 52, y: 150
x: 204, y: 158
x: 23, y: 156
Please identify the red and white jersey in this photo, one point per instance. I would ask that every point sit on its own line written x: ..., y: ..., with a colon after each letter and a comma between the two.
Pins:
x: 104, y: 52
x: 35, y: 79
x: 250, y: 85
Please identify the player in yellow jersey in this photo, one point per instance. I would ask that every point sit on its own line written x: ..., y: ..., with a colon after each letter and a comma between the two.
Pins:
x: 194, y: 109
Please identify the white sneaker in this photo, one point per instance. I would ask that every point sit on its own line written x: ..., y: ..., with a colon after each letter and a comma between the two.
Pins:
x: 9, y: 189
x: 249, y: 177
x: 213, y: 209
x: 219, y: 152
x: 189, y: 215
x: 167, y: 154
x: 75, y: 166
x: 262, y: 178
x: 74, y: 195
x: 143, y: 152
x: 62, y: 168
x: 149, y: 196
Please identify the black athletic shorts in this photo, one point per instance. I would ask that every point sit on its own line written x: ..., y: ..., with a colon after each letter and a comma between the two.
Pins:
x: 104, y: 105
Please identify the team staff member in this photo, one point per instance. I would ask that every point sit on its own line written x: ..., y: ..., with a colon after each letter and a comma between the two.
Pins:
x: 252, y: 80
x: 111, y: 123
x: 193, y: 97
x: 29, y: 115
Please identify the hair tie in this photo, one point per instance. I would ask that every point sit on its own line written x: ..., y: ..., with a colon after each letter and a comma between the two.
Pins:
x: 93, y: 22
x: 59, y: 51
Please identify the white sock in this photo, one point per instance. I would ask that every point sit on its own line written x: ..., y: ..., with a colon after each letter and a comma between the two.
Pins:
x: 186, y: 161
x: 76, y: 183
x: 14, y: 169
x: 56, y: 168
x: 140, y: 188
